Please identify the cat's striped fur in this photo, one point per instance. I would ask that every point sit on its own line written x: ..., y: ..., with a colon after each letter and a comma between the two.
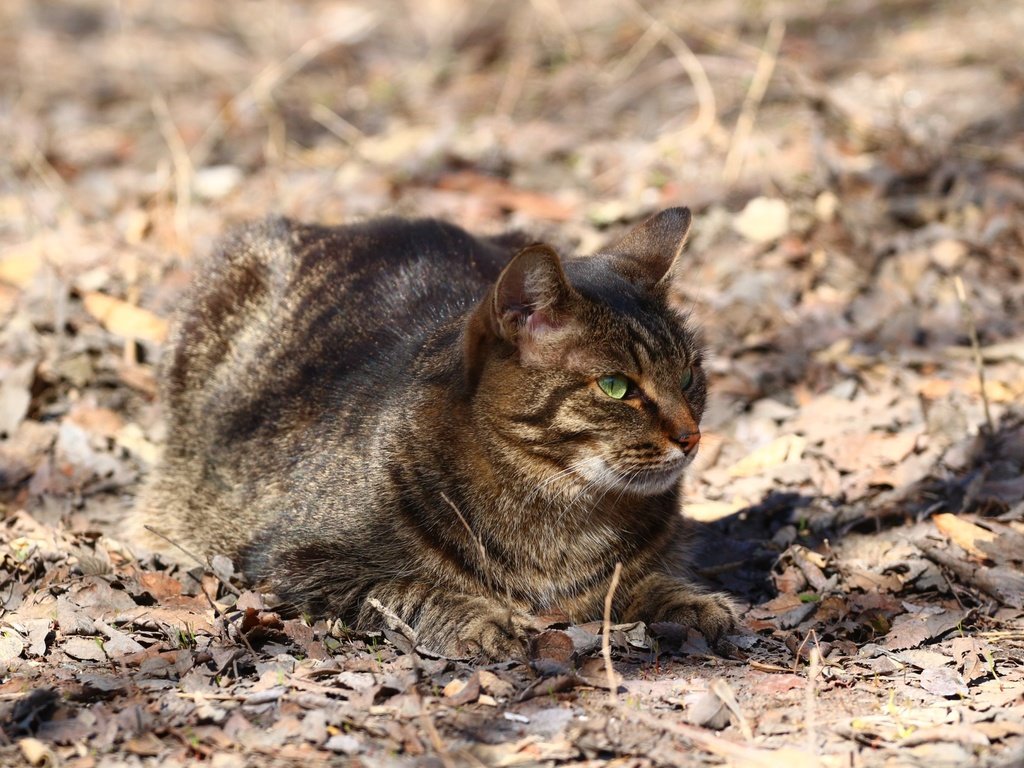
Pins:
x: 399, y: 410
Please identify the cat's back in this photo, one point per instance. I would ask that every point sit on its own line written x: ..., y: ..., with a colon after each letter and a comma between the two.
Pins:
x: 284, y: 313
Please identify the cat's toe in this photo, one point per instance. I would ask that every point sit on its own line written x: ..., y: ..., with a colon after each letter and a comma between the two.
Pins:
x: 491, y: 639
x: 714, y: 615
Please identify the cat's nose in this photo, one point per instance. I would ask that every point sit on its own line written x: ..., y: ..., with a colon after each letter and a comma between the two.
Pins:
x: 688, y: 441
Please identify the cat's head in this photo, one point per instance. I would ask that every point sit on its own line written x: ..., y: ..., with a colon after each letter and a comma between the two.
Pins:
x: 589, y: 365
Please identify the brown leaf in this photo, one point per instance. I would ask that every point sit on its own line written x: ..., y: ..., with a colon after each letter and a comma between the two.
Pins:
x: 963, y: 533
x: 943, y: 681
x: 20, y: 265
x: 506, y: 196
x: 11, y: 645
x: 124, y: 319
x: 98, y: 421
x: 160, y: 585
x: 84, y: 649
x: 912, y: 630
x: 785, y: 449
x: 457, y: 692
x: 970, y: 653
x: 554, y: 645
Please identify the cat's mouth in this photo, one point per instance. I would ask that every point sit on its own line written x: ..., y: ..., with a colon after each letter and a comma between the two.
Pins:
x: 642, y: 481
x: 654, y: 480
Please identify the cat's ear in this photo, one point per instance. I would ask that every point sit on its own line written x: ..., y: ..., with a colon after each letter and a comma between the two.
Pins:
x: 529, y: 306
x: 531, y: 296
x: 652, y: 251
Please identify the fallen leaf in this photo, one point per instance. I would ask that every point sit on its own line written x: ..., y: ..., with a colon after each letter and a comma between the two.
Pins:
x: 84, y: 649
x: 11, y: 645
x: 36, y: 752
x: 459, y: 692
x: 788, y: 448
x: 943, y: 681
x: 15, y: 396
x: 555, y: 645
x: 705, y: 709
x: 963, y: 533
x: 912, y: 630
x: 124, y: 319
x: 20, y: 264
x: 504, y: 195
x: 159, y: 585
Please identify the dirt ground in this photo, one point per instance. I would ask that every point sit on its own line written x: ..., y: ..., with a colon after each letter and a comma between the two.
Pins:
x: 856, y: 169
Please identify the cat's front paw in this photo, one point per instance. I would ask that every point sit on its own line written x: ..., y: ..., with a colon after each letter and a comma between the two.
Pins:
x: 712, y: 614
x: 491, y: 636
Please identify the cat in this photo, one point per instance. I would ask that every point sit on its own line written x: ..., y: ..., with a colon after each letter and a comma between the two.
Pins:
x: 469, y: 430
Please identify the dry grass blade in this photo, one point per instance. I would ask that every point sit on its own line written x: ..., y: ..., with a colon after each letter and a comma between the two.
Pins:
x: 183, y: 168
x: 725, y: 693
x: 811, y: 701
x: 606, y: 643
x: 739, y: 755
x: 755, y: 94
x: 393, y: 620
x: 972, y: 329
x: 707, y: 110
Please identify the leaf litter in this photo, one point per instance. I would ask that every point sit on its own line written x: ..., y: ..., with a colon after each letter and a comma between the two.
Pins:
x: 859, y: 488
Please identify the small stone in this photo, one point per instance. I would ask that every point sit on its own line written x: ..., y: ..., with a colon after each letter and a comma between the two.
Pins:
x: 36, y: 752
x: 948, y: 254
x: 763, y: 220
x: 216, y: 181
x: 826, y: 205
x: 344, y: 743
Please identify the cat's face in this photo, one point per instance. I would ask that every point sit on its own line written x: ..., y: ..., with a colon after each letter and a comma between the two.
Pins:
x: 600, y: 379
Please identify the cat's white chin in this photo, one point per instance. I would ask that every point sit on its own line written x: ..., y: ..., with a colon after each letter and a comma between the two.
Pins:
x: 647, y: 482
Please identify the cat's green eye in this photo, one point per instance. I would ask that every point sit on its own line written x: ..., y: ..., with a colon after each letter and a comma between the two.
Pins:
x: 615, y: 386
x: 687, y: 379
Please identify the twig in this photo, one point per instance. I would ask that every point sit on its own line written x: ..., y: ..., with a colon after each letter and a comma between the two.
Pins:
x: 337, y: 125
x: 183, y: 169
x: 810, y: 701
x: 755, y: 94
x: 972, y: 329
x: 393, y: 621
x: 262, y: 87
x: 725, y: 694
x: 606, y: 643
x: 628, y: 63
x: 707, y: 110
x: 518, y: 71
x: 435, y: 740
x: 176, y: 545
x: 735, y: 754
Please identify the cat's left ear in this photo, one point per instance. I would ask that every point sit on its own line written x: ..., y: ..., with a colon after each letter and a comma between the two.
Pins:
x: 529, y: 306
x: 652, y: 251
x: 531, y: 297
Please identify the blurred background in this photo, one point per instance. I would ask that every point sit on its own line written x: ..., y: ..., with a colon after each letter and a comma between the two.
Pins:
x: 856, y: 170
x: 845, y: 161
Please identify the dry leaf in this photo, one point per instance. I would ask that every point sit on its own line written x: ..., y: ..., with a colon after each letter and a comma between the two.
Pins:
x: 788, y: 448
x: 21, y: 264
x: 963, y: 533
x: 11, y: 645
x: 124, y: 319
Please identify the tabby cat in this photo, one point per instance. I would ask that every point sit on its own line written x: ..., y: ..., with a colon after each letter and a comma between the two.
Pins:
x: 469, y: 430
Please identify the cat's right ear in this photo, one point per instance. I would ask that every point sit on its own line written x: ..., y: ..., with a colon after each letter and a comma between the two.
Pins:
x: 652, y: 251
